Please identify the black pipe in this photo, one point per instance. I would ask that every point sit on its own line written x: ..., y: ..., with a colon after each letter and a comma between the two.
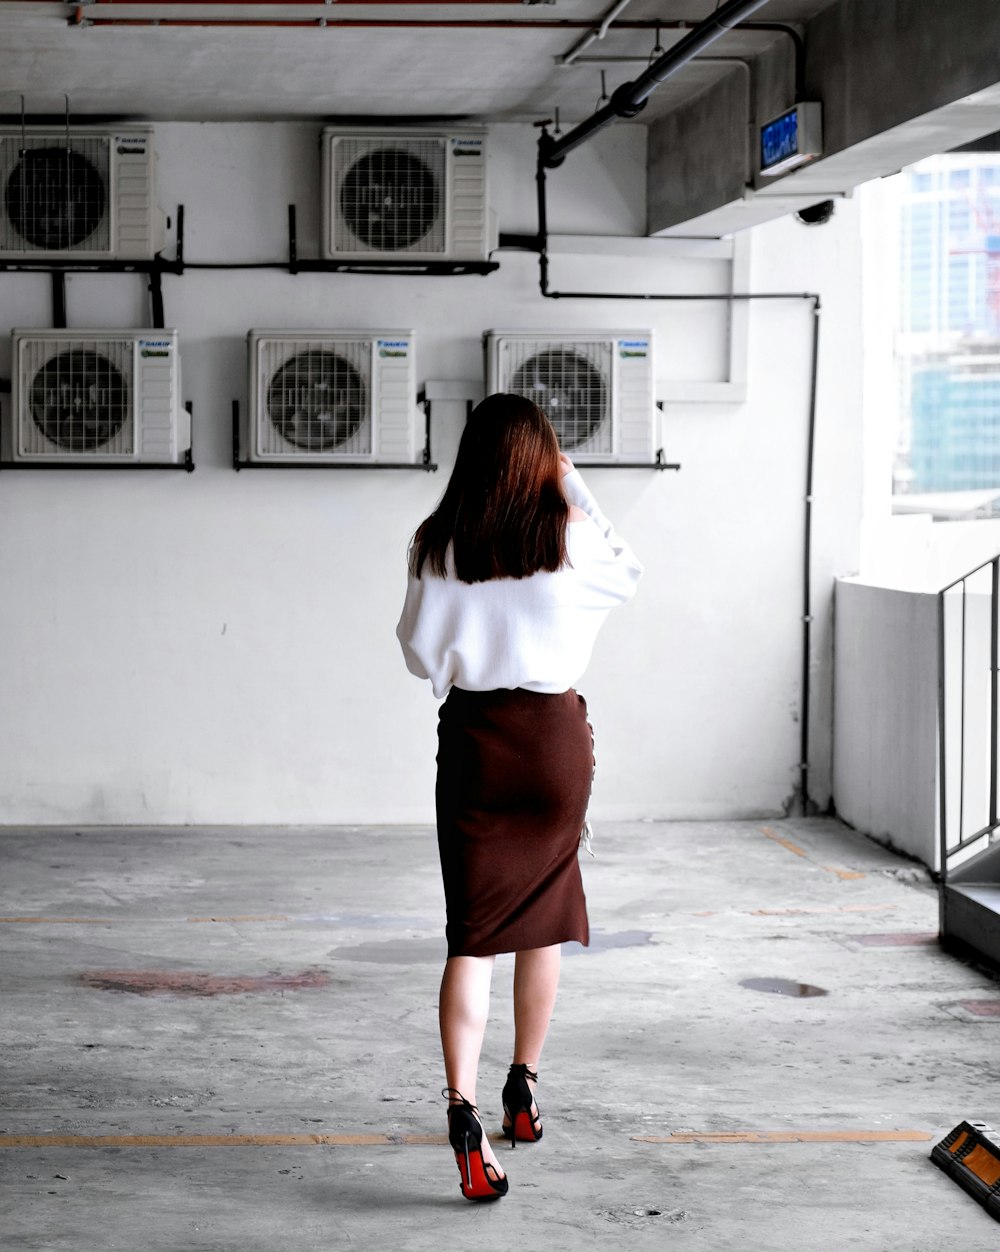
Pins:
x: 58, y: 299
x: 526, y: 243
x: 800, y: 51
x: 156, y: 299
x: 179, y: 250
x: 807, y: 576
x: 798, y: 43
x: 543, y: 217
x: 994, y: 684
x: 630, y: 98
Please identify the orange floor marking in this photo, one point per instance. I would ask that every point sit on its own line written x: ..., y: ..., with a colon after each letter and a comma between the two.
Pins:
x: 215, y: 1141
x: 843, y: 874
x: 785, y: 843
x: 836, y: 908
x: 789, y: 1136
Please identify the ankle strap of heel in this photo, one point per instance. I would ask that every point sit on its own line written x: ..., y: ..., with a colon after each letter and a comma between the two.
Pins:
x: 456, y: 1100
x: 522, y: 1071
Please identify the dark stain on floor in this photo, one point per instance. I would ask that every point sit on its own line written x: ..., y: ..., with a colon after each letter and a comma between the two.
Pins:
x: 782, y: 987
x: 185, y: 983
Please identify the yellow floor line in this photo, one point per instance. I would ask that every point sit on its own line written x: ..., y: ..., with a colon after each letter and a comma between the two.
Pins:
x: 250, y: 917
x: 47, y: 921
x: 390, y: 1140
x: 789, y: 1136
x: 215, y: 1141
x: 110, y: 921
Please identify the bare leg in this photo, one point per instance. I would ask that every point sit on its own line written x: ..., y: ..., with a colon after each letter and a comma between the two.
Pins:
x: 463, y: 1009
x: 536, y: 981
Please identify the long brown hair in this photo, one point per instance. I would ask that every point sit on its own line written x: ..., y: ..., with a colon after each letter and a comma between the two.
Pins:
x: 503, y: 512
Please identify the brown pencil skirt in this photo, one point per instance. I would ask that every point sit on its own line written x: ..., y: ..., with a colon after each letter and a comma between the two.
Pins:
x: 513, y: 783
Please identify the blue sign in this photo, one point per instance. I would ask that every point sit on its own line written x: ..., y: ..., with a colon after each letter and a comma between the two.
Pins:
x: 779, y: 139
x: 791, y: 139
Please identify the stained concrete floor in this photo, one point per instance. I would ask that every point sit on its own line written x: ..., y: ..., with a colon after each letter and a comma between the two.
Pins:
x: 262, y: 1005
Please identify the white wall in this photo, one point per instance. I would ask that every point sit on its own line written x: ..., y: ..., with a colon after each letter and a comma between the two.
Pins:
x: 219, y: 647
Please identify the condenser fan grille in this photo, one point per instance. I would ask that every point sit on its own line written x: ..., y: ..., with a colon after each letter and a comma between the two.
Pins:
x: 55, y: 197
x: 390, y: 195
x: 573, y: 390
x: 78, y: 401
x: 317, y: 400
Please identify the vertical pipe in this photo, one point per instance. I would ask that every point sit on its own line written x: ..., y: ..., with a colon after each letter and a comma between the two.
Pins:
x: 58, y: 280
x: 994, y: 664
x: 426, y: 404
x: 942, y: 756
x: 961, y: 729
x: 22, y: 155
x: 236, y: 434
x: 807, y: 572
x: 156, y: 299
x: 293, y: 253
x: 180, y: 239
x: 543, y: 220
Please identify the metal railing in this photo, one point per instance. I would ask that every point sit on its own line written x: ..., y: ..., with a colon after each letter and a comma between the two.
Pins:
x: 968, y: 638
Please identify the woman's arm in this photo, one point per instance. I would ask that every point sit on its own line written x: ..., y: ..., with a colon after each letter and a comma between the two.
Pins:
x: 406, y: 628
x: 576, y: 514
x: 618, y: 570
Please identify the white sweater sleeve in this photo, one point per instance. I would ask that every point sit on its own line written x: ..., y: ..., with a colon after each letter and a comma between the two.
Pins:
x: 619, y: 570
x: 408, y: 623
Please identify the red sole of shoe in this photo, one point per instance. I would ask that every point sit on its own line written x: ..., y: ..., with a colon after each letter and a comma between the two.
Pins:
x: 524, y: 1131
x: 478, y: 1186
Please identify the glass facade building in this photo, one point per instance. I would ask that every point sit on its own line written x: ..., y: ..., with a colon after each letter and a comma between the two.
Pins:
x: 948, y: 344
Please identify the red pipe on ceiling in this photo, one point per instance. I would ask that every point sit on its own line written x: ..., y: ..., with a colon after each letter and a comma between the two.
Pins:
x: 321, y: 4
x: 80, y: 18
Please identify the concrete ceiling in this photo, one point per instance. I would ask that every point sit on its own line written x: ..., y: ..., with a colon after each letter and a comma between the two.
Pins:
x: 501, y: 67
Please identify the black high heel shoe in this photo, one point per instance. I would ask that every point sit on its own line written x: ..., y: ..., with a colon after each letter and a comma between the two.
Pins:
x: 480, y: 1180
x: 517, y: 1102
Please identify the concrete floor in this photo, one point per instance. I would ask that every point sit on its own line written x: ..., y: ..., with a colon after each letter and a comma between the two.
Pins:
x: 242, y: 985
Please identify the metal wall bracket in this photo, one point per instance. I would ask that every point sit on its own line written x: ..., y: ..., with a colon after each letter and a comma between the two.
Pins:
x: 660, y: 463
x: 400, y: 266
x: 159, y: 265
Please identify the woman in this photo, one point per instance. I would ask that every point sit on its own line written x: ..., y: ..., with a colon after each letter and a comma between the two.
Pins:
x: 509, y: 581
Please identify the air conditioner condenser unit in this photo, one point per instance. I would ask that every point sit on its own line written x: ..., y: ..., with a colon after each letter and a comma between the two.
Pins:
x: 86, y: 194
x: 406, y: 195
x: 98, y: 396
x: 346, y: 397
x: 597, y: 388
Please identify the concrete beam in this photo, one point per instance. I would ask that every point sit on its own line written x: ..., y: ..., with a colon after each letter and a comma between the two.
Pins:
x: 837, y: 175
x: 698, y: 154
x: 898, y: 82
